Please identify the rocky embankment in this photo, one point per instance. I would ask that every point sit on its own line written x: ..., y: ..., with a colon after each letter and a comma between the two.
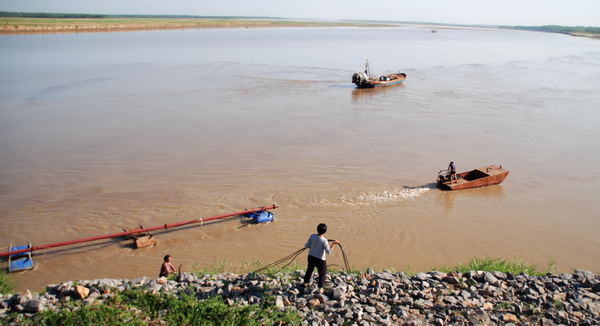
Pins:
x: 434, y: 298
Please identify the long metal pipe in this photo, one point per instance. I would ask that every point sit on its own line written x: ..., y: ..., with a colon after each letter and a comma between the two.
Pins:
x: 120, y: 234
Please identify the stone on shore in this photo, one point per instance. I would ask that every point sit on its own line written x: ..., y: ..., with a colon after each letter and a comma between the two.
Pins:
x: 385, y: 298
x: 82, y: 291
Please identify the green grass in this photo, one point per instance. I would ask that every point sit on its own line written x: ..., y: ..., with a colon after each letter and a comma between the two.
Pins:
x: 495, y: 264
x: 488, y: 263
x: 138, y: 307
x: 7, y: 284
x: 224, y: 266
x: 134, y: 307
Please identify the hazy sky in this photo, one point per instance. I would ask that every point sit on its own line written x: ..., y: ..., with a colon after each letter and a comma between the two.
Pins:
x: 492, y: 12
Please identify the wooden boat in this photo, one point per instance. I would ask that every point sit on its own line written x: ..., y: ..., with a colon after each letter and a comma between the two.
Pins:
x: 366, y: 79
x: 485, y: 176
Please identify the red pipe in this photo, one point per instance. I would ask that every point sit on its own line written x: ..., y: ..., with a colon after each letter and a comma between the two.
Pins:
x: 114, y: 235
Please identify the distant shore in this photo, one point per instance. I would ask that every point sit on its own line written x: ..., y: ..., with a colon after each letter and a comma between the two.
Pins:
x: 16, y: 26
x: 73, y: 23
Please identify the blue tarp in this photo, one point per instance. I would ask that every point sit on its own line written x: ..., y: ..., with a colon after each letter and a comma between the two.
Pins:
x: 261, y: 216
x: 20, y: 262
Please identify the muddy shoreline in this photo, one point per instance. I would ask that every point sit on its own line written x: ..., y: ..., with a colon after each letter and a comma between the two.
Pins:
x: 20, y: 26
x: 16, y: 29
x: 97, y: 26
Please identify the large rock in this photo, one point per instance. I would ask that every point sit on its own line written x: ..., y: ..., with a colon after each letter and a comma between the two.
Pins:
x: 24, y: 297
x: 82, y: 291
x: 107, y: 282
x: 187, y: 277
x: 312, y: 303
x: 584, y: 274
x: 491, y: 279
x: 509, y: 318
x: 385, y: 276
x: 279, y: 303
x: 35, y: 305
x: 422, y: 276
x: 339, y: 292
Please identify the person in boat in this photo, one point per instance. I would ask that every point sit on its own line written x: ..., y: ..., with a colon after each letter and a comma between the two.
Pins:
x: 167, y: 267
x: 452, y: 169
x: 318, y: 250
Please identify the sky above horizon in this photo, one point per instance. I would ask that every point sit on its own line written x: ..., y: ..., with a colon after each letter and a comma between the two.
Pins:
x: 469, y: 12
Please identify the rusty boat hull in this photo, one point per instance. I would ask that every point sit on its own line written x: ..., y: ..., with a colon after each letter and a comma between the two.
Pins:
x: 485, y: 176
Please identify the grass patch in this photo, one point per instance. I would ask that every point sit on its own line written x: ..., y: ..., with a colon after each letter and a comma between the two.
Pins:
x: 494, y: 264
x: 218, y: 267
x: 84, y: 315
x: 134, y: 307
x: 7, y: 284
x: 225, y: 266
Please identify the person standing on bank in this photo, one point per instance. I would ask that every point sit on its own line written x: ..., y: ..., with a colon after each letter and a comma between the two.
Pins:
x: 318, y: 250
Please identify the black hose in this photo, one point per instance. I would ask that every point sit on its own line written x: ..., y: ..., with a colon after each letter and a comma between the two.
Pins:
x: 290, y: 257
x: 346, y: 263
x: 293, y: 257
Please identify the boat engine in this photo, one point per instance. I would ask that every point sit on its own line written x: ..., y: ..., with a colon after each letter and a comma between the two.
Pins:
x: 443, y: 178
x: 359, y: 78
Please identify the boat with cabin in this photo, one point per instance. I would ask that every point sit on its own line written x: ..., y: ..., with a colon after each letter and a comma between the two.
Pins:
x: 366, y: 79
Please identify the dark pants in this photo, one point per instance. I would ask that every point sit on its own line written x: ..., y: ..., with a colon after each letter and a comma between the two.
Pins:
x: 321, y: 266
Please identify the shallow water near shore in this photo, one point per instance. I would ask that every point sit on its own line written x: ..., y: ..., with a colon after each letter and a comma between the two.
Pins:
x: 103, y: 132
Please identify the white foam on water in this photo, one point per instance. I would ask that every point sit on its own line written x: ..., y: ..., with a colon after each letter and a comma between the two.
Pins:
x: 365, y: 198
x: 392, y: 195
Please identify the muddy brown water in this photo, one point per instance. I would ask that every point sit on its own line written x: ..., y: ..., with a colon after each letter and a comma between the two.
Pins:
x: 103, y: 132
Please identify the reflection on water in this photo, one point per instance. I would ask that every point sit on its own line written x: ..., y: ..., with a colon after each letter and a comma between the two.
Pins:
x: 489, y: 194
x: 365, y: 95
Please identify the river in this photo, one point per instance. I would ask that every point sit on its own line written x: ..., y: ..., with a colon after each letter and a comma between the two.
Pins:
x: 101, y: 132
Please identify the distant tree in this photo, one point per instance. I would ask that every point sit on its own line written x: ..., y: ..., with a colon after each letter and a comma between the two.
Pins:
x: 48, y: 15
x: 560, y: 29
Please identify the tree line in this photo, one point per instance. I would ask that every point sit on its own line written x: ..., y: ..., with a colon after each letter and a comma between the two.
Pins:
x: 560, y: 29
x: 77, y: 16
x: 48, y: 15
x: 545, y: 28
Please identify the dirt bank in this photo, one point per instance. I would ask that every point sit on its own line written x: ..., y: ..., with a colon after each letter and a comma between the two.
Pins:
x: 12, y: 29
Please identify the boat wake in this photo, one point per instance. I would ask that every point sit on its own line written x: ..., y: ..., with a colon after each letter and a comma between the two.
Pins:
x: 366, y: 198
x: 392, y: 195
